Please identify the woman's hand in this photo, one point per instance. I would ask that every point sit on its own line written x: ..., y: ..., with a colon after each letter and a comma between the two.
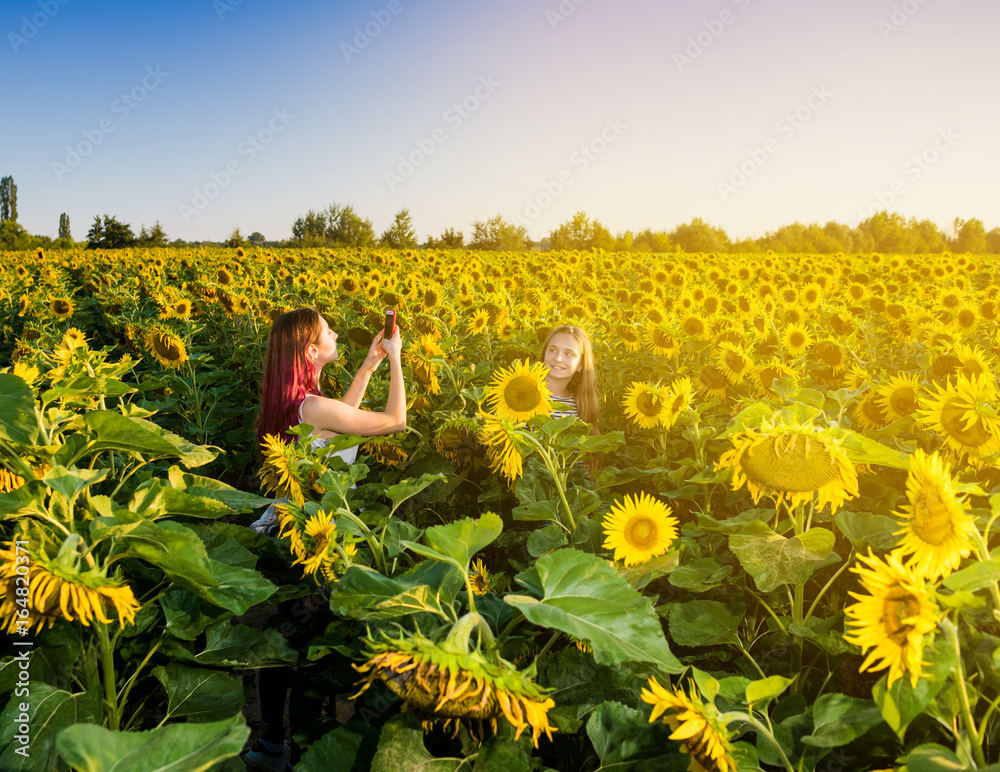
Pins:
x: 393, y: 346
x: 376, y: 353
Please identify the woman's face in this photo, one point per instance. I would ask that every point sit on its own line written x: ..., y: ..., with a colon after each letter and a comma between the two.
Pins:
x: 563, y: 358
x: 326, y: 346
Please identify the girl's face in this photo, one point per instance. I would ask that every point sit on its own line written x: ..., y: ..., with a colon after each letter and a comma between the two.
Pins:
x: 563, y: 358
x: 325, y: 350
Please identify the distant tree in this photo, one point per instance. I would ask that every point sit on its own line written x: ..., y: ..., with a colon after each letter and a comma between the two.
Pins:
x: 8, y: 199
x: 310, y: 230
x: 338, y: 225
x: 109, y: 234
x: 14, y: 237
x: 450, y: 239
x: 498, y: 235
x: 581, y: 232
x: 400, y: 235
x: 256, y: 238
x: 971, y: 237
x: 235, y: 239
x: 345, y: 227
x: 993, y: 242
x: 699, y: 236
x: 64, y: 232
x: 648, y: 240
x: 154, y: 237
x: 927, y: 236
x: 888, y: 232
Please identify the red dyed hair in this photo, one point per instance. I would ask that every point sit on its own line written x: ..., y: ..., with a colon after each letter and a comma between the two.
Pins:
x: 289, y: 375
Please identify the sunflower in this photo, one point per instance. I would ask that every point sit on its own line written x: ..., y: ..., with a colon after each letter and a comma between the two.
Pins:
x: 712, y: 382
x: 734, y: 363
x: 831, y: 355
x: 61, y: 307
x: 385, y: 450
x: 796, y: 339
x: 646, y: 405
x: 701, y: 730
x: 73, y: 338
x: 966, y: 318
x: 868, y: 414
x: 639, y: 528
x: 628, y: 337
x: 677, y: 400
x: 963, y: 413
x: 315, y: 547
x: 763, y: 377
x: 430, y: 300
x: 58, y: 590
x: 498, y: 437
x: 9, y: 481
x: 455, y: 440
x: 898, y: 398
x: 892, y: 619
x: 478, y: 321
x: 973, y: 360
x: 661, y: 342
x: 480, y: 578
x: 937, y: 531
x: 446, y: 682
x: 168, y: 350
x: 278, y: 474
x: 519, y: 392
x: 810, y: 296
x: 792, y: 464
x: 695, y: 326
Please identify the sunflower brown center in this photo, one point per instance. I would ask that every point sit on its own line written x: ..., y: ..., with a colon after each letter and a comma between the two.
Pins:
x: 712, y: 378
x: 803, y: 467
x: 60, y: 307
x: 168, y: 349
x: 972, y: 367
x: 521, y: 394
x: 953, y: 421
x: 903, y: 400
x: 641, y: 532
x: 797, y: 339
x: 694, y: 327
x: 648, y: 404
x: 931, y: 516
x: 735, y: 362
x: 898, y: 606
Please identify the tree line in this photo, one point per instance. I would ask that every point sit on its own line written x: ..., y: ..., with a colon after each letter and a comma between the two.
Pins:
x: 340, y: 225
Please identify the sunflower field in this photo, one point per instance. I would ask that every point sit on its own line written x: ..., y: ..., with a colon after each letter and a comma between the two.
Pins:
x: 777, y: 554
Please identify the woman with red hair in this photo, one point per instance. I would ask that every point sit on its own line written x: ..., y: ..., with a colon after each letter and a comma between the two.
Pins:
x: 301, y: 343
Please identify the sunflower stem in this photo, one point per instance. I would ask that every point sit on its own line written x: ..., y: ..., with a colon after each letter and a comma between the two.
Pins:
x: 749, y: 718
x: 550, y: 466
x: 958, y: 677
x: 548, y: 645
x: 812, y: 606
x: 984, y: 555
x: 108, y: 668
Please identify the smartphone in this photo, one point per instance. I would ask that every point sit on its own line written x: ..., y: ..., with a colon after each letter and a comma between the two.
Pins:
x: 390, y: 323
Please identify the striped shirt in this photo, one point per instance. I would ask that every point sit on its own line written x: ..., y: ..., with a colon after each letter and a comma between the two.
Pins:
x: 569, y: 402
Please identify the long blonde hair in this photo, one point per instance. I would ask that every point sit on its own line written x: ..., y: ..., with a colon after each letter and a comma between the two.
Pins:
x: 583, y: 384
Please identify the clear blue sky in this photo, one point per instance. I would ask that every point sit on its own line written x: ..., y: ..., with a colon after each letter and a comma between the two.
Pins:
x: 634, y: 111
